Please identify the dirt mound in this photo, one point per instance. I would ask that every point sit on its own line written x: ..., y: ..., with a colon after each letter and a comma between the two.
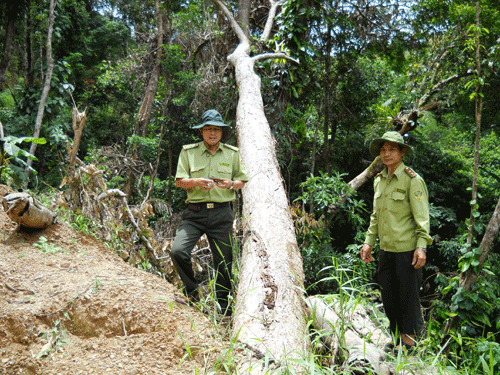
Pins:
x: 70, y: 305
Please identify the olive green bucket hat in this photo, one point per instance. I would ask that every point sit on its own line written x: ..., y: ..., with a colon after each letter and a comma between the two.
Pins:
x: 391, y: 136
x: 211, y: 117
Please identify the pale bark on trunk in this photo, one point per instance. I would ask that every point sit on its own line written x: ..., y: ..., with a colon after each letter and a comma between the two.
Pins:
x: 352, y: 331
x: 270, y: 308
x: 46, y: 84
x: 275, y: 4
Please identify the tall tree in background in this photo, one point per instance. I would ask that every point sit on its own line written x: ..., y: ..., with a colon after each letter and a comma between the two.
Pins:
x: 269, y: 306
x: 478, y: 100
x: 471, y: 274
x: 11, y: 12
x: 144, y: 116
x: 47, y: 81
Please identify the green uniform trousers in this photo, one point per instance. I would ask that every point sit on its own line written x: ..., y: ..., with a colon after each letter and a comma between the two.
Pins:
x: 400, y: 283
x: 217, y: 224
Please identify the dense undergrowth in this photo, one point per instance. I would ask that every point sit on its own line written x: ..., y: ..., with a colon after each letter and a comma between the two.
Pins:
x: 472, y: 348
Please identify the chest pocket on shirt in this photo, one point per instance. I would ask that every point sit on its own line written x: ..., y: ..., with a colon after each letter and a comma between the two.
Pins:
x: 398, y: 196
x: 397, y: 202
x: 224, y: 170
x: 197, y: 171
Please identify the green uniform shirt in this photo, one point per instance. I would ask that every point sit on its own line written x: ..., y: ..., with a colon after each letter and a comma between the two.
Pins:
x: 195, y: 161
x: 400, y: 217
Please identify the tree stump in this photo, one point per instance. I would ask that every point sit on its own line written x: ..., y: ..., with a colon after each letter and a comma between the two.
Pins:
x: 28, y: 212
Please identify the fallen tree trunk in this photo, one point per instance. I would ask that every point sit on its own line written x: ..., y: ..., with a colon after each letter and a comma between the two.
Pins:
x: 355, y: 333
x: 28, y: 212
x: 270, y: 309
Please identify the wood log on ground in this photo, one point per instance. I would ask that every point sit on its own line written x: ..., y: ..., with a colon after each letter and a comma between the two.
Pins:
x: 269, y: 303
x: 25, y: 210
x: 364, y: 341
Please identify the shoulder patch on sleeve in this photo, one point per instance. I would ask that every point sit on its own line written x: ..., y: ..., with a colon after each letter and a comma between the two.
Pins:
x: 234, y: 148
x: 410, y: 173
x: 192, y: 145
x: 418, y: 195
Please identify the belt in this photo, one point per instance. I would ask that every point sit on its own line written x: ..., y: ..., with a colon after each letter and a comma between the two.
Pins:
x: 206, y: 205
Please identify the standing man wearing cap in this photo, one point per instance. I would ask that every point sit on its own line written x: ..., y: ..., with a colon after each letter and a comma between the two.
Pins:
x: 400, y: 220
x: 210, y: 171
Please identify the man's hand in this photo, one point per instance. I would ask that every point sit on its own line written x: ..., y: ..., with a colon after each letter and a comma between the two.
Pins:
x: 223, y: 183
x: 419, y: 258
x: 205, y: 183
x: 366, y: 253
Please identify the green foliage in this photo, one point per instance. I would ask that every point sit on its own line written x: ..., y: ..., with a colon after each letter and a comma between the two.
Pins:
x: 97, y: 285
x: 478, y: 310
x: 148, y: 147
x: 449, y: 252
x: 325, y: 192
x: 46, y: 247
x: 12, y: 159
x: 82, y: 224
x: 441, y: 216
x: 56, y: 338
x: 334, y: 210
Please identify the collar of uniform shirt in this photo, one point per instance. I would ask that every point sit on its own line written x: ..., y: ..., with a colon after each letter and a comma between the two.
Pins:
x: 205, y: 149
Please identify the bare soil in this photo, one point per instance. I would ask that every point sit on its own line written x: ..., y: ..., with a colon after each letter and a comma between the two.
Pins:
x: 75, y: 307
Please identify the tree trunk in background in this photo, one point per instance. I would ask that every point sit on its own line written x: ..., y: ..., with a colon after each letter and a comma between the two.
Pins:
x: 470, y: 277
x: 244, y: 16
x: 7, y: 48
x: 28, y: 61
x: 46, y: 84
x: 326, y: 107
x: 142, y: 124
x: 149, y: 96
x: 479, y: 110
x: 270, y: 308
x: 12, y: 11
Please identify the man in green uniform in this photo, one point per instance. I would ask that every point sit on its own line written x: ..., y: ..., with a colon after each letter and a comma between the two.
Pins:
x: 400, y: 220
x: 210, y: 171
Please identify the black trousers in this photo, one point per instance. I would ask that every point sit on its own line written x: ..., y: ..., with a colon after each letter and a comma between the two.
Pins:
x: 217, y: 224
x: 400, y: 283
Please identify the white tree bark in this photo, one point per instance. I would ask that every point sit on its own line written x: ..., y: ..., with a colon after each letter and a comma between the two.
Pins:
x: 353, y: 329
x: 270, y: 307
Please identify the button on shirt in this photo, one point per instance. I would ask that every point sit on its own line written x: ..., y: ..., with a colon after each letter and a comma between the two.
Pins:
x: 400, y: 217
x: 195, y: 161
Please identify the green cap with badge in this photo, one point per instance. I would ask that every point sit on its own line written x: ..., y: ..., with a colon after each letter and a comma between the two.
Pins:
x: 391, y: 136
x: 211, y: 117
